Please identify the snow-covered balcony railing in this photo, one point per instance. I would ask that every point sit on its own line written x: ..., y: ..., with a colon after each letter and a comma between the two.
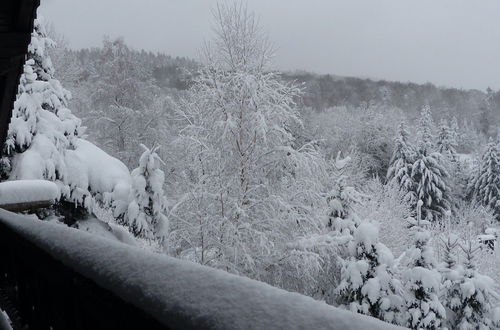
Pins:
x: 63, y: 278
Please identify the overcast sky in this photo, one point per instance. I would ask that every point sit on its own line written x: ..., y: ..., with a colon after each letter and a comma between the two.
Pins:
x: 446, y: 42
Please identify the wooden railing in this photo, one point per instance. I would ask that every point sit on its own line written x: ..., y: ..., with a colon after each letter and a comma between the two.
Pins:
x: 40, y: 292
x: 56, y: 277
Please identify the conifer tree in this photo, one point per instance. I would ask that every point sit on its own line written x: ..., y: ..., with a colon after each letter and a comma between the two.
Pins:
x: 446, y: 141
x: 450, y: 271
x: 146, y: 213
x: 42, y: 128
x: 368, y: 285
x: 401, y: 163
x: 425, y: 130
x: 486, y: 182
x: 472, y: 303
x: 429, y: 173
x: 341, y: 200
x: 455, y: 131
x: 422, y: 281
x: 40, y: 93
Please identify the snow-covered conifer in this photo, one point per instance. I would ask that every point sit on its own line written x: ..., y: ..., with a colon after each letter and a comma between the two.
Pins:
x: 146, y: 213
x: 44, y: 141
x: 450, y: 271
x: 446, y: 140
x: 486, y: 182
x: 40, y: 92
x: 429, y: 173
x: 368, y: 285
x: 42, y: 128
x: 472, y: 304
x: 341, y: 200
x: 425, y: 130
x: 455, y: 131
x: 422, y: 281
x: 400, y: 168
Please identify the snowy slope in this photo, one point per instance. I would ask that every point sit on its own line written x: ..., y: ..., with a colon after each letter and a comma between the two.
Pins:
x: 180, y: 294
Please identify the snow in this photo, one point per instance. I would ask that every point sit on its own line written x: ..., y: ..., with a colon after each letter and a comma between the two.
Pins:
x: 89, y: 167
x: 24, y: 191
x: 107, y: 230
x: 103, y: 172
x: 181, y: 294
x: 5, y: 323
x: 366, y: 235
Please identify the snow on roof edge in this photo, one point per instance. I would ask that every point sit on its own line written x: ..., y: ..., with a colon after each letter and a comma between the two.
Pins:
x: 181, y: 294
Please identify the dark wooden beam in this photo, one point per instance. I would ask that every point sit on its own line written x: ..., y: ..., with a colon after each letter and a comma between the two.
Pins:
x: 28, y: 206
x: 16, y: 25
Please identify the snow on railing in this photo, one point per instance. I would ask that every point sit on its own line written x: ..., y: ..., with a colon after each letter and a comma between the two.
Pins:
x: 20, y: 195
x: 180, y: 294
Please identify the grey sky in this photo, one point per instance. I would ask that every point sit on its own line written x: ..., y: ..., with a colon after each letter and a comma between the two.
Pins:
x: 446, y: 42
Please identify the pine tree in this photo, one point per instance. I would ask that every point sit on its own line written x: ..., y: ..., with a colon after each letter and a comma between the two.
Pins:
x: 486, y: 182
x: 146, y: 213
x: 341, y: 200
x: 39, y: 91
x: 431, y: 188
x: 450, y: 272
x: 368, y: 285
x: 455, y: 131
x: 446, y: 141
x: 429, y: 173
x: 425, y: 130
x: 42, y: 128
x: 472, y: 305
x: 401, y: 163
x: 422, y: 281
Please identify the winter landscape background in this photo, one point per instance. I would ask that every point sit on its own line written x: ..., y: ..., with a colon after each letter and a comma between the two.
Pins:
x: 380, y: 197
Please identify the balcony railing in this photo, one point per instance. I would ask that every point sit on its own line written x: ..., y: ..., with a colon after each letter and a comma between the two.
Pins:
x: 56, y: 277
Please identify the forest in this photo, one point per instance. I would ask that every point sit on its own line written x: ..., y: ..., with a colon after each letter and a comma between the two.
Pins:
x: 379, y: 197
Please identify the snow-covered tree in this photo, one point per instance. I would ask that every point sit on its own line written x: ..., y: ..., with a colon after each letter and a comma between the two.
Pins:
x: 44, y: 142
x: 429, y: 173
x: 248, y: 189
x: 472, y: 304
x: 400, y: 169
x: 387, y: 205
x: 425, y: 130
x: 41, y: 104
x: 446, y: 140
x: 368, y: 285
x: 455, y: 131
x: 126, y: 106
x: 450, y: 271
x: 486, y: 182
x: 422, y: 281
x: 146, y: 213
x: 341, y: 200
x: 42, y: 128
